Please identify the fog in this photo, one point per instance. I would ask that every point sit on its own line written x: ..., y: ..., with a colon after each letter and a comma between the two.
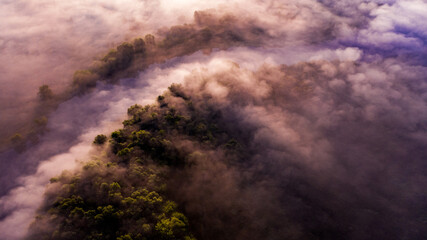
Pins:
x: 337, y: 131
x: 44, y: 42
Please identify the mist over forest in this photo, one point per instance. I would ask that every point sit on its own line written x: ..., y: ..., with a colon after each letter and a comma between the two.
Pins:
x: 132, y: 120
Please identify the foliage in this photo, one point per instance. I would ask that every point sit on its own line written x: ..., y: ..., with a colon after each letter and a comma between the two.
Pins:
x: 84, y: 79
x: 41, y: 121
x: 153, y: 129
x: 100, y: 139
x: 150, y: 40
x: 111, y: 202
x: 139, y: 45
x: 128, y: 59
x: 125, y: 195
x: 117, y: 59
x: 45, y: 93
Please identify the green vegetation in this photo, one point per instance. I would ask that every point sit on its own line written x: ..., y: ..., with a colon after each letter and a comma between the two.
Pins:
x: 108, y: 201
x: 155, y: 129
x: 115, y: 60
x: 139, y: 46
x: 125, y: 194
x: 45, y: 93
x: 100, y: 139
x: 84, y: 79
x: 129, y: 58
x: 150, y: 40
x: 41, y: 121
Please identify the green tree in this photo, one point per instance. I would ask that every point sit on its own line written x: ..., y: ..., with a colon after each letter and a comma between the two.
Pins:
x: 100, y: 139
x: 150, y: 40
x: 139, y: 45
x: 41, y: 121
x: 45, y: 93
x: 174, y: 227
x: 83, y: 79
x: 125, y: 237
x: 125, y: 54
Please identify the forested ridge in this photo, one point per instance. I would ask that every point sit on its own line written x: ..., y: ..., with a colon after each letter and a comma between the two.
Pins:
x: 207, y: 32
x: 124, y: 193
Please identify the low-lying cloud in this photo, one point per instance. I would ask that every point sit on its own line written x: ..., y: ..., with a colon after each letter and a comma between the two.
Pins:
x: 332, y: 149
x: 337, y: 133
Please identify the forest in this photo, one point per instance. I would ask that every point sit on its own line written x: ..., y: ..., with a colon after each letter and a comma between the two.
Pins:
x: 123, y: 193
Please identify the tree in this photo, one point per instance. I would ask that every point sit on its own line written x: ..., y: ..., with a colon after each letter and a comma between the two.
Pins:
x: 45, y: 93
x: 174, y: 227
x: 150, y: 40
x: 139, y: 45
x: 100, y: 139
x: 125, y: 237
x: 41, y: 121
x: 125, y: 54
x: 84, y: 79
